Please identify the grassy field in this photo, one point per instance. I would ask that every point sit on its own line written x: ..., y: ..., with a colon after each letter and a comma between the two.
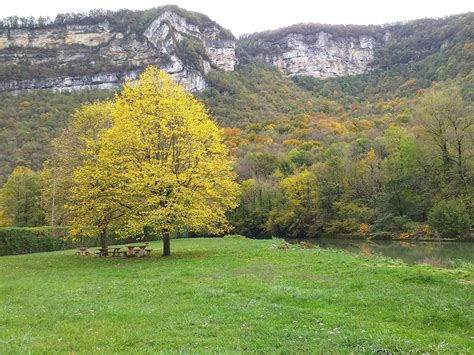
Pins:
x: 231, y: 295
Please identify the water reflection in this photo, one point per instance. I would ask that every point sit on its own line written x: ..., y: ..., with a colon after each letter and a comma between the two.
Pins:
x: 365, y: 249
x: 409, y: 251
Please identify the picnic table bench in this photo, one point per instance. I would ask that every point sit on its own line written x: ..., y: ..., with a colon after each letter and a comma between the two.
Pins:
x: 133, y: 250
x: 138, y: 250
x: 82, y: 251
x: 106, y: 252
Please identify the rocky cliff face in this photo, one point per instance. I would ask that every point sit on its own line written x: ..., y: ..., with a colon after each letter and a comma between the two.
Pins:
x: 103, y: 51
x: 102, y: 56
x: 168, y: 32
x: 104, y: 80
x: 320, y: 54
x: 99, y: 54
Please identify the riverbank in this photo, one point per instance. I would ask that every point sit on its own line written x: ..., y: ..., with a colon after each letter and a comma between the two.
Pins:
x: 224, y: 295
x: 465, y: 237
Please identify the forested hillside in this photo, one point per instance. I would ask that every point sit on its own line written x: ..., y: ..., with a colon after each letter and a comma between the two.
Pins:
x: 387, y: 151
x: 28, y: 123
x: 355, y: 161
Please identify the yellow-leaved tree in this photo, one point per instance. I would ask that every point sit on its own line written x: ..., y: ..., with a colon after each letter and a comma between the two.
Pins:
x: 161, y: 163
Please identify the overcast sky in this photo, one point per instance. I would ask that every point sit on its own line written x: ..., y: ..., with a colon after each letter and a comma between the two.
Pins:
x: 246, y: 16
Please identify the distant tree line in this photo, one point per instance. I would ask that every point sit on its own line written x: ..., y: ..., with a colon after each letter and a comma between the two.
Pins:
x: 400, y: 165
x: 122, y: 20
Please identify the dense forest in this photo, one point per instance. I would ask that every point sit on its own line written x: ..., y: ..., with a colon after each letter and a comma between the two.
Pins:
x: 388, y: 151
x: 336, y: 163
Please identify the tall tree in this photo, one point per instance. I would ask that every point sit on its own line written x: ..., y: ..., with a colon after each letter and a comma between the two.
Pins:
x: 366, y: 178
x: 449, y: 121
x: 296, y: 213
x: 254, y: 208
x: 161, y: 163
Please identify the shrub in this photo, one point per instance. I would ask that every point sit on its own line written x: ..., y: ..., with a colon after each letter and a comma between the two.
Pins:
x: 29, y: 240
x: 350, y: 217
x: 392, y: 223
x: 449, y: 218
x: 416, y: 230
x: 25, y: 240
x: 363, y: 228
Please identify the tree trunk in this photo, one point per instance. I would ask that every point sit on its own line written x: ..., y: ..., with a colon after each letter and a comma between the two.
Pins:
x: 166, y: 244
x: 446, y: 159
x: 460, y: 164
x: 53, y: 206
x: 146, y: 233
x: 104, y: 242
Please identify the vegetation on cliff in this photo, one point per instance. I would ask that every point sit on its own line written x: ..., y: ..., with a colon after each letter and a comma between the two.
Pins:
x: 121, y: 20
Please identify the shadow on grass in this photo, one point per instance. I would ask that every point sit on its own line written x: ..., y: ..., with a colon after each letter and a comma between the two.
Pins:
x: 156, y: 256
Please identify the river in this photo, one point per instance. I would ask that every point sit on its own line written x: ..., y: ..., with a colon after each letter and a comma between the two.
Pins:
x: 412, y: 252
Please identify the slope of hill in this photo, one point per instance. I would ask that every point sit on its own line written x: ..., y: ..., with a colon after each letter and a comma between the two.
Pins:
x: 348, y: 153
x: 29, y: 122
x: 414, y: 55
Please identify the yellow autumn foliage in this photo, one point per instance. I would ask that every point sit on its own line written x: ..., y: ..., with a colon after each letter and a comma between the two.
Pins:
x: 162, y: 162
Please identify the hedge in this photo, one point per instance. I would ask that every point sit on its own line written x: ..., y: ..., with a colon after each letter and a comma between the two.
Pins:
x: 24, y: 240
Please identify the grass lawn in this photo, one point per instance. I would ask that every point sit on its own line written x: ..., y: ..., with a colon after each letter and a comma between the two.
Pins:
x: 231, y: 295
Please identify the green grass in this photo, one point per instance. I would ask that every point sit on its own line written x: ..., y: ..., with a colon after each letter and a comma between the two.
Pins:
x: 231, y: 295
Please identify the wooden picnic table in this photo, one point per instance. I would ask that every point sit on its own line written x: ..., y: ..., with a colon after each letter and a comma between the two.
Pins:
x: 133, y: 250
x: 82, y: 251
x: 138, y: 250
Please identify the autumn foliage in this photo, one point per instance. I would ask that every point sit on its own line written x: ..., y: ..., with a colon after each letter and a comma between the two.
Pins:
x: 157, y: 160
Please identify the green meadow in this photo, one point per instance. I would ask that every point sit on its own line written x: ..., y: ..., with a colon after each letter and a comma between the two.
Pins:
x: 232, y: 295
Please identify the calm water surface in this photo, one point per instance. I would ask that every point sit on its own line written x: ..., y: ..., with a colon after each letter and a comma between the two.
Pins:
x: 409, y: 251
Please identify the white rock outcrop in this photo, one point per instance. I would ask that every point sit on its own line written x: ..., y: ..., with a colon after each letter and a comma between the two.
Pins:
x: 177, y: 44
x: 89, y: 45
x: 321, y: 54
x: 166, y: 33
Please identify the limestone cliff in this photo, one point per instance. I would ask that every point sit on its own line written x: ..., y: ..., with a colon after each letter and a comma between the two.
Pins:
x: 317, y: 53
x: 75, y: 56
x: 102, y: 50
x: 322, y: 56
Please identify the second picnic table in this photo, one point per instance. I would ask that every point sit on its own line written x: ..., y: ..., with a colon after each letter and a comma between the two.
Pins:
x: 133, y: 250
x: 138, y: 250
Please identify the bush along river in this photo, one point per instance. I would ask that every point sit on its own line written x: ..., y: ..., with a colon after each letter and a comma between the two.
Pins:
x: 437, y: 253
